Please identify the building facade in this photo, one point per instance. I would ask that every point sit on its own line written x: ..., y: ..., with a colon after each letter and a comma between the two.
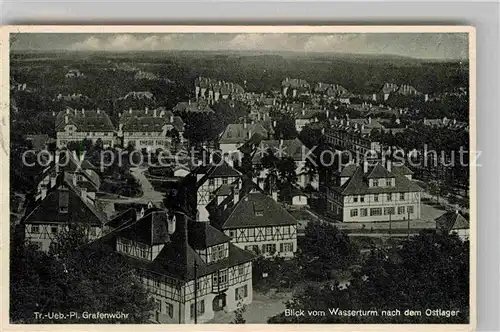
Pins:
x: 76, y: 125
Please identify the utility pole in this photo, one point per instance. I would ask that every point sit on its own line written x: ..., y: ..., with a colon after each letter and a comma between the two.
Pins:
x: 390, y: 226
x: 195, y: 293
x: 408, y: 222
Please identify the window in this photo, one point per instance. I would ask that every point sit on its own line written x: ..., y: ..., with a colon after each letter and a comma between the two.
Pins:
x: 269, y: 248
x: 170, y: 309
x: 388, y: 182
x: 402, y: 196
x: 375, y: 198
x: 354, y: 212
x: 251, y: 232
x: 224, y: 180
x: 232, y: 234
x: 363, y: 212
x: 286, y: 247
x: 240, y: 293
x: 375, y: 212
x: 200, y: 308
x: 158, y: 309
x: 241, y: 270
x: 362, y: 199
x: 35, y: 229
x: 53, y: 229
x: 355, y: 199
x: 93, y: 231
x: 389, y: 197
x: 401, y: 210
x: 211, y: 182
x: 410, y: 209
x: 375, y: 183
x: 269, y: 231
x: 286, y: 230
x: 389, y: 210
x: 218, y: 252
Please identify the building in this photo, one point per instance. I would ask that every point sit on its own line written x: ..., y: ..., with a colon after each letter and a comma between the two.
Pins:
x: 236, y: 134
x: 293, y: 148
x: 453, y: 222
x: 345, y: 134
x: 213, y: 90
x: 446, y: 123
x: 63, y: 207
x: 255, y: 222
x: 387, y: 89
x: 190, y: 268
x: 193, y: 107
x: 207, y: 180
x: 369, y: 193
x: 407, y: 90
x: 74, y: 73
x: 75, y: 126
x: 305, y: 117
x: 294, y: 87
x: 150, y: 129
x: 329, y: 90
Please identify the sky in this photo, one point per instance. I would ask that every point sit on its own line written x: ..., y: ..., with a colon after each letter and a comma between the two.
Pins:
x: 443, y: 46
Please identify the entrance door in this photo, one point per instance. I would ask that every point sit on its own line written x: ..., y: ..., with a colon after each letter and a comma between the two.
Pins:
x: 219, y: 302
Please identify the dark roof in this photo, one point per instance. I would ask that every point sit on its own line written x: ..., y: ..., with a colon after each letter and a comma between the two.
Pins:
x: 151, y: 229
x: 193, y: 107
x: 358, y: 185
x: 451, y: 220
x: 379, y: 172
x: 203, y: 235
x: 150, y: 120
x: 38, y: 141
x: 79, y: 211
x: 256, y: 210
x: 221, y: 170
x: 178, y: 258
x: 289, y: 148
x: 401, y: 170
x: 240, y: 132
x: 84, y: 121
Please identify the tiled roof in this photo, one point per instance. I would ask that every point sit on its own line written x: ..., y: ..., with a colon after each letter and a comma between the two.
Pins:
x: 147, y: 123
x: 256, y: 210
x: 358, y: 185
x: 178, y: 258
x: 401, y: 170
x: 193, y: 107
x: 294, y: 83
x: 379, y: 172
x: 203, y: 235
x: 84, y: 121
x: 451, y: 221
x: 151, y: 229
x: 239, y: 132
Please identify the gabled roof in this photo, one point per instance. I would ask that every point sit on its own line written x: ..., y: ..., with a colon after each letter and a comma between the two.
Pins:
x: 192, y: 106
x: 178, y: 258
x: 349, y: 170
x: 256, y: 210
x: 379, y: 172
x: 401, y: 170
x: 84, y: 120
x: 79, y: 210
x: 203, y: 235
x: 451, y: 220
x: 217, y: 171
x: 358, y: 185
x: 151, y: 229
x: 240, y: 132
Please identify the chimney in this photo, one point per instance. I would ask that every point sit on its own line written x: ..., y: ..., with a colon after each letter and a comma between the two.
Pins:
x: 53, y: 113
x: 365, y: 167
x: 98, y: 111
x: 389, y: 165
x: 189, y: 102
x: 281, y: 142
x: 44, y: 192
x: 327, y: 114
x: 140, y: 214
x: 274, y: 195
x: 369, y: 119
x: 236, y: 195
x: 146, y: 112
x: 245, y: 124
x: 66, y: 119
x: 335, y: 118
x: 84, y: 193
x: 172, y: 119
x: 130, y: 111
x: 83, y: 111
x: 154, y: 112
x: 274, y: 123
x: 171, y: 223
x: 303, y: 112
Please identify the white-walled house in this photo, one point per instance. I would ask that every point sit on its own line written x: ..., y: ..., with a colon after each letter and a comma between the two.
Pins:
x: 453, y: 222
x: 367, y: 193
x: 76, y: 125
x: 149, y: 129
x: 190, y: 268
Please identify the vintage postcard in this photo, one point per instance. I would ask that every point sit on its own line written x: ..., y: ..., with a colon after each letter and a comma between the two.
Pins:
x: 238, y: 175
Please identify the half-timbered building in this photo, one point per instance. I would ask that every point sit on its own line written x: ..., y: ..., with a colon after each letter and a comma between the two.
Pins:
x: 64, y: 206
x: 256, y: 222
x: 190, y: 268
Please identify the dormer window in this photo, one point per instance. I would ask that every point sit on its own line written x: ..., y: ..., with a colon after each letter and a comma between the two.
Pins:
x: 375, y: 182
x: 388, y: 182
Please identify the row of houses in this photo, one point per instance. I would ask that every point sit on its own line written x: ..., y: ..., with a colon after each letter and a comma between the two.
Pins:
x: 149, y: 129
x: 213, y: 89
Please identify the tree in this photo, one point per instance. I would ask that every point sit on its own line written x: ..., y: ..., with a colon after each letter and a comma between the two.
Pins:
x: 287, y: 170
x: 285, y: 128
x: 325, y: 249
x: 86, y: 144
x: 238, y: 314
x: 428, y: 271
x: 99, y: 145
x: 91, y: 278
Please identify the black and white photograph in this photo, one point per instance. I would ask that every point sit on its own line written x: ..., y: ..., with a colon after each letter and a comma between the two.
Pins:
x: 240, y: 175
